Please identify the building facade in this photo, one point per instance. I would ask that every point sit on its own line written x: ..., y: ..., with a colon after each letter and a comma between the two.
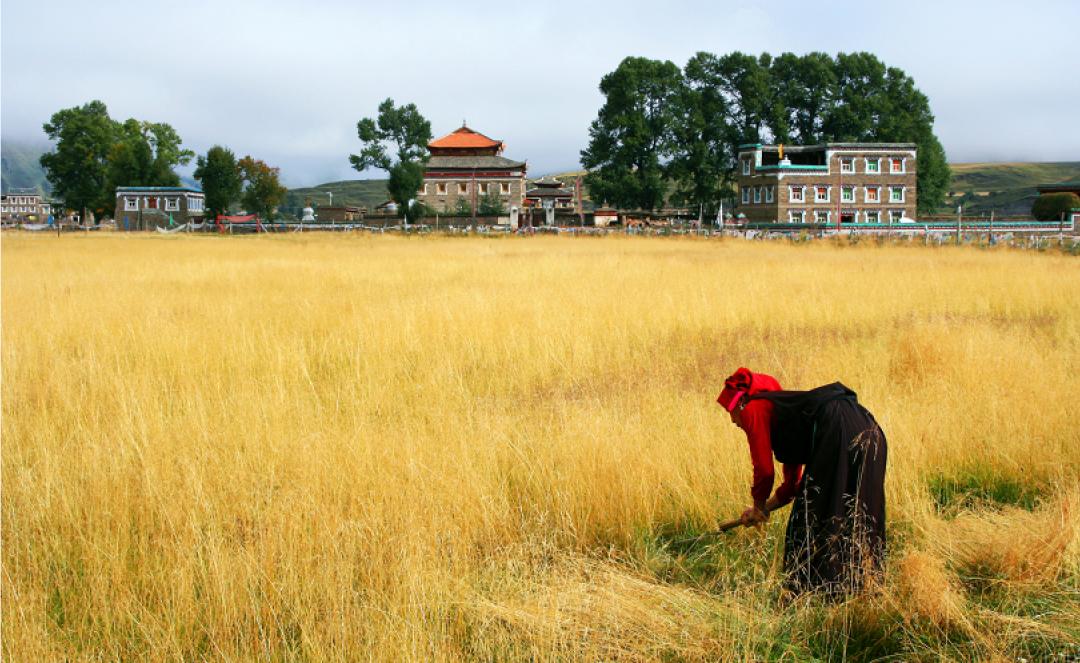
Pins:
x: 831, y: 183
x: 27, y: 206
x: 464, y: 166
x: 149, y: 207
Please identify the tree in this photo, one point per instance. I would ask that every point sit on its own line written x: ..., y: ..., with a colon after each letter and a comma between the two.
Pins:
x: 702, y: 160
x: 631, y: 139
x: 491, y: 205
x: 262, y: 192
x: 145, y: 154
x: 462, y: 207
x: 404, y: 131
x: 221, y: 179
x: 78, y: 167
x: 1050, y: 206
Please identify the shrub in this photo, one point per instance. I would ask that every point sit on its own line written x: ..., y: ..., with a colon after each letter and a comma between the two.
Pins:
x: 1050, y: 206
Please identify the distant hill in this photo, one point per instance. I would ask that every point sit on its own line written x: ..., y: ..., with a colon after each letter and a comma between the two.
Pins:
x: 1006, y: 188
x: 357, y: 193
x: 20, y: 168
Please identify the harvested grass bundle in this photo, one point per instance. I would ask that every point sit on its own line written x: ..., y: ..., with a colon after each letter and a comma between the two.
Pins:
x: 597, y: 610
x: 1013, y: 545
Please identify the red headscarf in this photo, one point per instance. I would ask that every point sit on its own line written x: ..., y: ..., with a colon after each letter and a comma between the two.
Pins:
x: 735, y: 387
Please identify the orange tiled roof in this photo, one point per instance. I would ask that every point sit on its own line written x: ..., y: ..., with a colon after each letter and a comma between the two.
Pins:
x: 464, y: 138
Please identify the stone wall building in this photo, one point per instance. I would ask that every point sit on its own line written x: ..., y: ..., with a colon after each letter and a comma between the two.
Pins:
x: 149, y: 207
x: 856, y: 183
x: 465, y: 165
x: 24, y: 206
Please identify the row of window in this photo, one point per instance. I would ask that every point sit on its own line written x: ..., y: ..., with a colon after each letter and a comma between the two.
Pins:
x: 12, y: 209
x: 441, y: 188
x: 858, y: 216
x: 871, y: 165
x: 822, y: 194
x: 172, y: 203
x: 23, y: 200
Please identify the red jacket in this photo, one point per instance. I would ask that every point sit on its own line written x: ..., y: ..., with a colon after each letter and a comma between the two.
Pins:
x: 756, y: 422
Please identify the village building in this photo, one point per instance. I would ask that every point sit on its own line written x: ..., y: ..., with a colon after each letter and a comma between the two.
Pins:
x: 149, y: 207
x: 24, y: 205
x: 549, y: 191
x: 849, y: 183
x: 467, y: 165
x: 340, y: 213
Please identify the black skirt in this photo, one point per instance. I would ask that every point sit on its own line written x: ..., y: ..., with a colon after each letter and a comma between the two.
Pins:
x: 836, y: 532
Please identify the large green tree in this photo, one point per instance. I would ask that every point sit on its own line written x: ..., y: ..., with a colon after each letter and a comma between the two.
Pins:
x: 145, y: 154
x: 263, y: 191
x: 631, y: 140
x: 78, y: 166
x: 737, y: 98
x: 396, y: 142
x: 221, y: 180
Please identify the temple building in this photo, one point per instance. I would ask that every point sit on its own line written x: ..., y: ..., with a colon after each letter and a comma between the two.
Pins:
x: 466, y: 164
x: 849, y: 183
x: 550, y: 191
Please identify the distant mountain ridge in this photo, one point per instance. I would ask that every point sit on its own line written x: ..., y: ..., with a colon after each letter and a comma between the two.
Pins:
x: 20, y: 167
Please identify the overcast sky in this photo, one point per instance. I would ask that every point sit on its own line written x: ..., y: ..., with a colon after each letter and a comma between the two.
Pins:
x: 287, y: 81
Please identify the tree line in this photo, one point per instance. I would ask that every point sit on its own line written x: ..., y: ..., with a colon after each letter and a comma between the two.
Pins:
x: 94, y: 154
x: 671, y: 135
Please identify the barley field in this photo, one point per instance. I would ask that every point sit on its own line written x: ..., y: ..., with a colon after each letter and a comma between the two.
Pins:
x: 327, y: 448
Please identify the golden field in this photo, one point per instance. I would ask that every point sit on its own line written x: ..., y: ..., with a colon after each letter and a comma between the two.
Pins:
x: 320, y: 448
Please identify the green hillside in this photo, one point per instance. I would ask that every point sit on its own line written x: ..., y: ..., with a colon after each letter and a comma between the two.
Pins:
x: 1004, y: 188
x: 357, y: 193
x: 20, y: 168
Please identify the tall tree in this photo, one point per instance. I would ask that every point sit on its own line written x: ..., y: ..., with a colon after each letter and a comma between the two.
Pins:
x: 702, y: 161
x: 220, y: 177
x: 631, y: 140
x: 403, y: 131
x: 263, y: 191
x: 802, y: 88
x: 145, y: 154
x: 78, y: 167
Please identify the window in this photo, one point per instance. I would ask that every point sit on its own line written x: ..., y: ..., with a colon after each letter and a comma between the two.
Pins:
x: 896, y: 165
x: 871, y: 217
x: 821, y: 216
x: 896, y: 194
x: 895, y: 215
x: 847, y: 165
x: 195, y: 204
x: 423, y: 189
x: 745, y: 166
x: 873, y: 165
x: 821, y: 194
x: 847, y: 194
x: 797, y: 216
x: 873, y: 194
x: 757, y: 194
x: 440, y: 188
x: 462, y: 188
x: 770, y: 194
x: 504, y: 188
x: 797, y: 194
x: 746, y: 195
x: 172, y: 204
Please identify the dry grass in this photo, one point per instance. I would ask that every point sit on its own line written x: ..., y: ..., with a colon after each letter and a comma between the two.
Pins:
x: 330, y: 448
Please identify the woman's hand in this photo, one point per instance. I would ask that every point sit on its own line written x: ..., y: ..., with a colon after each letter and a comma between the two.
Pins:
x: 753, y: 516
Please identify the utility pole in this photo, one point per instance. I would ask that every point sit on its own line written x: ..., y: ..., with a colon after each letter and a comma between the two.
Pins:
x: 959, y: 212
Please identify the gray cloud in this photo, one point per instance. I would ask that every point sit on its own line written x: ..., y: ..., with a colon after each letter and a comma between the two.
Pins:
x: 287, y: 81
